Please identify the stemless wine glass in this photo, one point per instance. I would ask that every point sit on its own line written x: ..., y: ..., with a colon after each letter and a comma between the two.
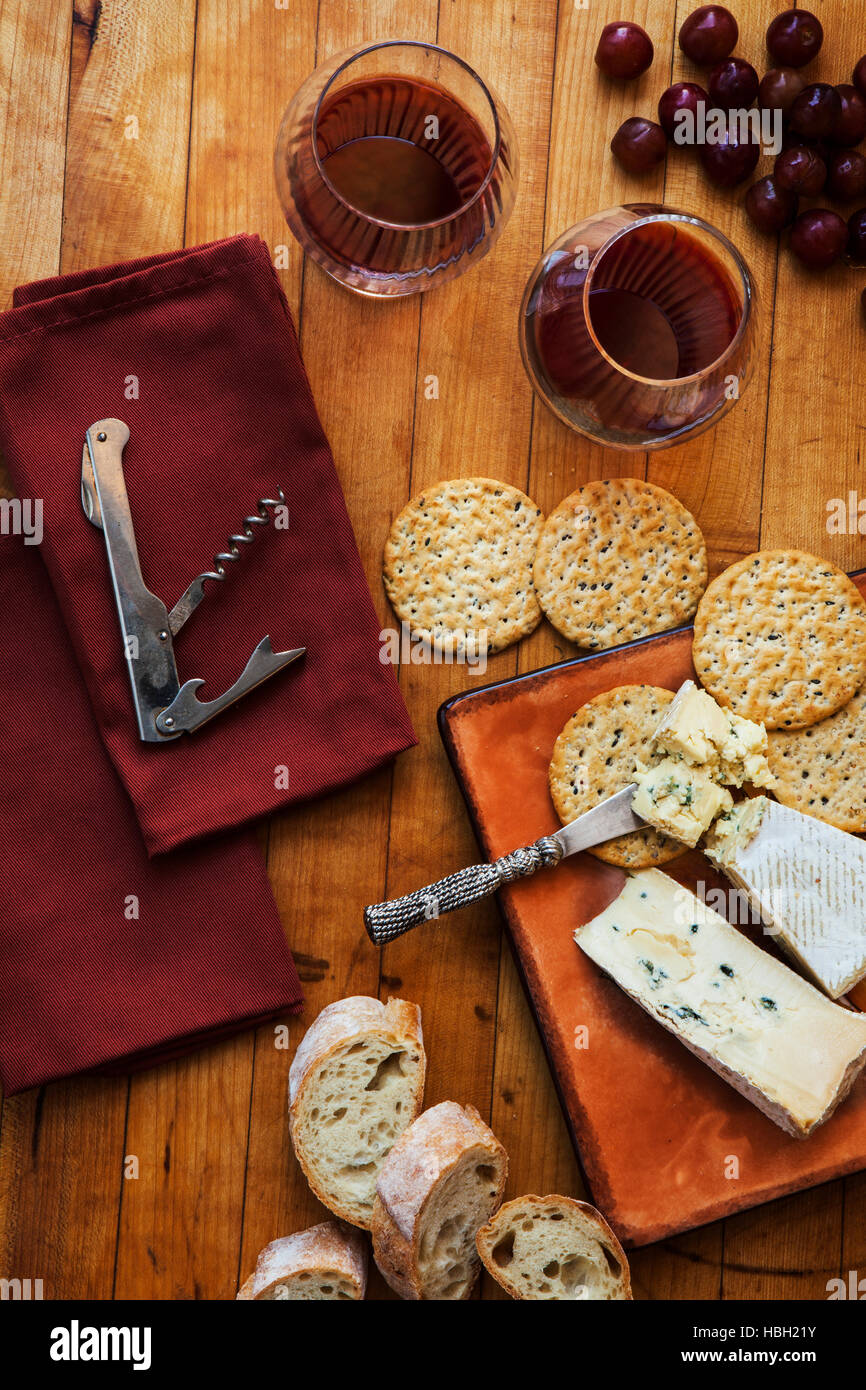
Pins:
x: 396, y: 167
x: 637, y: 326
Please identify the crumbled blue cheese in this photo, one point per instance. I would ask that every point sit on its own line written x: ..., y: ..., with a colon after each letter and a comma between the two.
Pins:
x: 679, y: 800
x: 697, y: 730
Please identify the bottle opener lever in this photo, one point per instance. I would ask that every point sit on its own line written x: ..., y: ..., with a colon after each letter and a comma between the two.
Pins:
x: 164, y: 708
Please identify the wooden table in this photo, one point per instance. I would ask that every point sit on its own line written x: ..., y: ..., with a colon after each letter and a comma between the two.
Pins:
x: 133, y: 127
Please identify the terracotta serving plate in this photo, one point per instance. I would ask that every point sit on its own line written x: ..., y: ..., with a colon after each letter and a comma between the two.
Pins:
x: 665, y: 1144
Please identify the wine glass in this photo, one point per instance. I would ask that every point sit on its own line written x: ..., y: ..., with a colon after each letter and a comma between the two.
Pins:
x: 396, y: 167
x: 637, y: 326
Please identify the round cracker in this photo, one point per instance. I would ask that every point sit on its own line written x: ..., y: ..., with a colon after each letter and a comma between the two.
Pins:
x: 820, y: 770
x: 459, y: 559
x: 780, y: 637
x: 595, y: 756
x: 618, y: 560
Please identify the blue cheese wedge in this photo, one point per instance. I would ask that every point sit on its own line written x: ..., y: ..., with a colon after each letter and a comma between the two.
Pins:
x: 769, y: 1033
x: 806, y: 879
x: 679, y: 800
x: 733, y: 750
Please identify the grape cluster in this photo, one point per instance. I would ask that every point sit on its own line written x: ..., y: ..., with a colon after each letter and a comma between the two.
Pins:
x: 822, y: 125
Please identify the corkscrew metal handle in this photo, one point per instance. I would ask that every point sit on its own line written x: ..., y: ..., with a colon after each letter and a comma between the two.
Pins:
x: 386, y: 921
x: 164, y: 708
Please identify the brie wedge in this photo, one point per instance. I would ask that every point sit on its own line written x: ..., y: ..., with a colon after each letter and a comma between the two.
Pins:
x: 769, y: 1033
x: 806, y: 879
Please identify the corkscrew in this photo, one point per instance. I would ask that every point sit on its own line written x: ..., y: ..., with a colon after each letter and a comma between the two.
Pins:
x: 164, y: 708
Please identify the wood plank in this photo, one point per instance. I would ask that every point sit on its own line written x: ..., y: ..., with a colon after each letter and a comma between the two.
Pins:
x: 249, y: 60
x: 181, y: 1222
x: 718, y: 475
x: 582, y: 178
x: 61, y: 1162
x: 813, y: 453
x: 479, y: 425
x: 328, y: 860
x: 34, y: 75
x: 125, y: 195
x: 129, y: 132
x: 53, y: 1225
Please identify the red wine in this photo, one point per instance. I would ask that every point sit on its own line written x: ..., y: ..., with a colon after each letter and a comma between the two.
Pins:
x: 401, y: 150
x: 660, y: 305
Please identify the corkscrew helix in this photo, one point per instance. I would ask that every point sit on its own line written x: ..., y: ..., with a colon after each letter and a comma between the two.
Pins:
x: 164, y: 708
x: 195, y: 593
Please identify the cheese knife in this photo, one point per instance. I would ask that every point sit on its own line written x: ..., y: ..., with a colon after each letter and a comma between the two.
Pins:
x: 388, y: 920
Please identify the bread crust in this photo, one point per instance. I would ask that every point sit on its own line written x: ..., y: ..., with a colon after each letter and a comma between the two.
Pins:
x: 332, y: 1247
x: 338, y: 1024
x: 424, y: 1155
x: 490, y: 1234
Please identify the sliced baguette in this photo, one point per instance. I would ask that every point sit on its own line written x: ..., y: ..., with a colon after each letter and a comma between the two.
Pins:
x: 325, y: 1262
x: 440, y: 1182
x: 554, y: 1248
x: 356, y: 1082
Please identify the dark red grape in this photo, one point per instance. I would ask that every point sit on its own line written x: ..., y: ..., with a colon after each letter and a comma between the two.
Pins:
x: 624, y: 50
x: 800, y: 170
x: 779, y: 87
x: 857, y: 237
x: 794, y: 38
x: 816, y: 111
x: 682, y: 96
x: 846, y: 175
x: 639, y: 144
x: 859, y: 76
x: 770, y: 206
x: 733, y: 84
x: 819, y: 237
x: 709, y: 34
x: 792, y: 141
x: 851, y: 125
x: 730, y: 161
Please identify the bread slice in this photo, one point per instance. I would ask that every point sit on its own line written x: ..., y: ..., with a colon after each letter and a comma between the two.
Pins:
x: 554, y: 1248
x: 356, y: 1082
x: 440, y: 1182
x: 326, y: 1262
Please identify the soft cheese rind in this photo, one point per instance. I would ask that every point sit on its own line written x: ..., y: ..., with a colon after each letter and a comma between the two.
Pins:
x: 806, y: 879
x: 770, y: 1034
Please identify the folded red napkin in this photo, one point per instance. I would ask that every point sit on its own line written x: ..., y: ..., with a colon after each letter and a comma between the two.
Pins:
x: 197, y: 353
x: 108, y: 959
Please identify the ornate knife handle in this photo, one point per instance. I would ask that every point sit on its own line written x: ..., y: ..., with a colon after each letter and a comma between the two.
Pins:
x: 385, y: 921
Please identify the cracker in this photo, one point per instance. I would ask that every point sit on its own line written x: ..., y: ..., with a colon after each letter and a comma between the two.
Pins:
x: 458, y: 559
x: 595, y: 756
x: 619, y: 560
x: 822, y: 770
x: 780, y: 637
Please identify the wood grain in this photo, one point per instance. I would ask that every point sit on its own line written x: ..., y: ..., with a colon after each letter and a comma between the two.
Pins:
x: 479, y: 425
x: 172, y: 111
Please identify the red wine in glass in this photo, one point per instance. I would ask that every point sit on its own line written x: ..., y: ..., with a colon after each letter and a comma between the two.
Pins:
x: 396, y: 179
x: 637, y: 326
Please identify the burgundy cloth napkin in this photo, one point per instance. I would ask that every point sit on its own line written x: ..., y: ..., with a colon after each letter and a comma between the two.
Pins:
x: 108, y: 959
x: 197, y: 353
